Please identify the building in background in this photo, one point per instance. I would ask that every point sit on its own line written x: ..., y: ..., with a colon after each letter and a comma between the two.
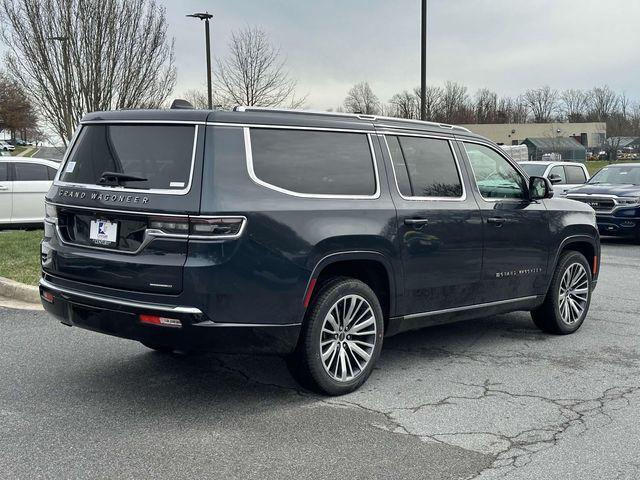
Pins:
x: 589, y: 135
x: 569, y: 149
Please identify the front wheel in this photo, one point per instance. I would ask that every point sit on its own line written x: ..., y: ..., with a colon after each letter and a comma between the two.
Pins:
x: 567, y: 302
x: 341, y: 338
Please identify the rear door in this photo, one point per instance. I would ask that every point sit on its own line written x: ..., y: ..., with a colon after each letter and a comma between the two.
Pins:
x: 31, y: 181
x: 6, y: 196
x: 439, y: 224
x: 122, y: 203
x: 516, y: 230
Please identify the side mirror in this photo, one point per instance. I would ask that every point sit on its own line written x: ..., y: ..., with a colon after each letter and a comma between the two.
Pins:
x: 553, y: 178
x: 539, y: 188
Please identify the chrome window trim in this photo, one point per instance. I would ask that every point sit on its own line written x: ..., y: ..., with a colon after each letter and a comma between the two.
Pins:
x: 119, y: 301
x: 511, y: 162
x: 258, y: 181
x: 455, y: 158
x: 166, y: 122
x: 164, y: 191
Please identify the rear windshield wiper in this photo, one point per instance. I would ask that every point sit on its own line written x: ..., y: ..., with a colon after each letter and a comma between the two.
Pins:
x: 115, y: 179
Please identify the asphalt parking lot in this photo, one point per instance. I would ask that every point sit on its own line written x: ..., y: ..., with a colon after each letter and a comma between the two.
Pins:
x: 493, y: 398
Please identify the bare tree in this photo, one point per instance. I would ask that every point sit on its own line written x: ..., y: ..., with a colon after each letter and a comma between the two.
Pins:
x: 543, y: 103
x: 77, y: 56
x: 405, y: 105
x: 361, y: 99
x: 575, y: 104
x: 198, y: 98
x: 254, y: 73
x: 604, y: 103
x: 486, y: 106
x: 433, y: 102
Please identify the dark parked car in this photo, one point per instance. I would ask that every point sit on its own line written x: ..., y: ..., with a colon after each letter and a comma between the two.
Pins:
x: 614, y: 193
x: 311, y: 235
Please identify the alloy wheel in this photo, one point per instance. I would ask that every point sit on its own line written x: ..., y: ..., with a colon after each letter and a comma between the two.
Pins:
x: 348, y: 338
x: 573, y: 295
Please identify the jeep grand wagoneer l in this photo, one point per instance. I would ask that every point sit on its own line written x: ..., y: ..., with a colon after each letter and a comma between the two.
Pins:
x: 311, y: 235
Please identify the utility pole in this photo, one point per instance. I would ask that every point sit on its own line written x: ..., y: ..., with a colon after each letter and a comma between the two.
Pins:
x: 206, y: 16
x: 423, y: 63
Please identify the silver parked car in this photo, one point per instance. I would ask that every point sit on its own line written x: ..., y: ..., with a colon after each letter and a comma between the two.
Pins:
x: 23, y: 184
x: 563, y: 175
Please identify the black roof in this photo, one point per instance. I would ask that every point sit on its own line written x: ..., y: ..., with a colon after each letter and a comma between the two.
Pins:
x: 265, y: 116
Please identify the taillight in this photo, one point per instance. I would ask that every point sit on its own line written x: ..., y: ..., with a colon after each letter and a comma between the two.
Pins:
x: 50, y: 213
x: 47, y: 296
x: 199, y: 227
x: 215, y: 227
x: 162, y: 321
x: 177, y: 225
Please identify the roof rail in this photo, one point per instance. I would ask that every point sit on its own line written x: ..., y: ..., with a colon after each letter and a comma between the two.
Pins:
x: 244, y: 108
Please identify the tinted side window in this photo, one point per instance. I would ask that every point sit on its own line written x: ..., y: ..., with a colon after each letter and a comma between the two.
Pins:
x: 495, y: 176
x: 313, y: 162
x: 31, y: 172
x: 559, y: 171
x: 431, y: 167
x: 4, y: 171
x: 575, y: 174
x: 52, y: 172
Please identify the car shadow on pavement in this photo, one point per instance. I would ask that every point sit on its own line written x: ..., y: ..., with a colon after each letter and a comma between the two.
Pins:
x: 249, y: 384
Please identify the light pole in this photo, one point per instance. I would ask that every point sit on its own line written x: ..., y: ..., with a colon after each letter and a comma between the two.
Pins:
x: 67, y: 84
x: 423, y: 63
x: 206, y: 16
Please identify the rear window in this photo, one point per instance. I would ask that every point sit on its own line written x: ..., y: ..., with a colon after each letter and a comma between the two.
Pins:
x: 575, y: 174
x: 159, y: 154
x: 313, y: 162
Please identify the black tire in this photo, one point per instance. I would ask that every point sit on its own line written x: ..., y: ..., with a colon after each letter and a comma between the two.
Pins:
x: 159, y: 348
x: 548, y: 317
x: 306, y: 363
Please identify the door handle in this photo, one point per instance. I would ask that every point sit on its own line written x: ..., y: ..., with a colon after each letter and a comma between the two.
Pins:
x: 3, y: 187
x: 416, y: 222
x: 497, y: 221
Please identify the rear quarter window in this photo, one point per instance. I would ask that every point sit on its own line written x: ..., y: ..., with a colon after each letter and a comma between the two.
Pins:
x: 313, y: 162
x: 160, y: 154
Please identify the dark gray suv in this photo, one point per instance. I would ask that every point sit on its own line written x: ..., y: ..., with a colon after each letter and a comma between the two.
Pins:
x: 311, y: 235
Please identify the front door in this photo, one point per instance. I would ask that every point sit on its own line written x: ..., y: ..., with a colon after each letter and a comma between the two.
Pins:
x: 439, y: 225
x: 516, y: 230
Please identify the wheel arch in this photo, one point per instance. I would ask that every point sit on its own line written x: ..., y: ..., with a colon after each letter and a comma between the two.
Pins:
x: 586, y: 245
x: 370, y: 267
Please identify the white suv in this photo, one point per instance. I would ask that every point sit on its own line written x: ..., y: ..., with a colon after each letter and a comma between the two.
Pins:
x: 563, y: 175
x: 23, y: 184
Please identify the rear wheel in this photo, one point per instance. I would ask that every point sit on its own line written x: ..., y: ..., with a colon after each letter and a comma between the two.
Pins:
x: 341, y: 338
x: 567, y: 302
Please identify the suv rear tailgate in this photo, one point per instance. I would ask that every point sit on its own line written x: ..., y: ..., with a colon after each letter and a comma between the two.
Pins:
x: 112, y: 231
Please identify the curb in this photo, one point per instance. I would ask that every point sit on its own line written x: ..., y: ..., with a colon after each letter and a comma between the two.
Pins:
x: 19, y: 291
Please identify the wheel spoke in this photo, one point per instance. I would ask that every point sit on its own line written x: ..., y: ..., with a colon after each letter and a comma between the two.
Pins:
x: 329, y: 352
x: 364, y: 355
x: 358, y: 327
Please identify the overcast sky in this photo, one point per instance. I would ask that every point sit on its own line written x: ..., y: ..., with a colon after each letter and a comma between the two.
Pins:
x: 505, y: 45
